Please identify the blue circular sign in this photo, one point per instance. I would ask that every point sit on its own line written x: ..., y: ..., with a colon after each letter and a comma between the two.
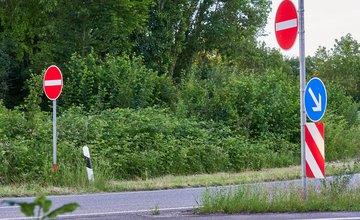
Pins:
x: 315, y: 99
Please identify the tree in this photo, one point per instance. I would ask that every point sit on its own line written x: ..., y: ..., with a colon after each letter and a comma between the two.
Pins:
x: 23, y: 43
x: 340, y: 64
x: 105, y: 26
x: 293, y: 62
x: 179, y: 30
x: 38, y: 33
x: 115, y: 81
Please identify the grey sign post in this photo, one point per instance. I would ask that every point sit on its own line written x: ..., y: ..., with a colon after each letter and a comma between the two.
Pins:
x: 54, y: 135
x: 286, y: 25
x: 302, y: 92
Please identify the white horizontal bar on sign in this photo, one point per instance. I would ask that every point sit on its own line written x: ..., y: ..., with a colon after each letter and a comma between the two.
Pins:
x: 53, y: 82
x: 286, y: 24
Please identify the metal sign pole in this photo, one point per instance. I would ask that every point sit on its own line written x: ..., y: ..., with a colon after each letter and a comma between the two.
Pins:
x: 54, y: 135
x: 302, y: 92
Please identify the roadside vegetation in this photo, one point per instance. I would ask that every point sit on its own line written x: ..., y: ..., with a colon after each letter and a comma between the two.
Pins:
x: 184, y: 91
x: 102, y: 184
x: 335, y: 195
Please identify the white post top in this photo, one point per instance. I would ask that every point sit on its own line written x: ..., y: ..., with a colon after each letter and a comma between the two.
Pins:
x: 86, y: 151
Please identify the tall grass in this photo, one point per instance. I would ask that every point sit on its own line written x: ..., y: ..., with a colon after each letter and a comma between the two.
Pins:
x: 70, y: 181
x: 336, y: 195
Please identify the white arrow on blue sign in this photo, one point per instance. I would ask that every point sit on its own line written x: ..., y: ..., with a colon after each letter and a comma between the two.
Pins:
x: 315, y: 99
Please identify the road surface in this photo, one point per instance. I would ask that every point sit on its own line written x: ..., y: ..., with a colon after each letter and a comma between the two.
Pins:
x: 174, y: 204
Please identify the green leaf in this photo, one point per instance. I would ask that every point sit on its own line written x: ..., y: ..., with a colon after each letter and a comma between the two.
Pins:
x: 44, y: 203
x: 46, y: 206
x: 63, y: 209
x: 27, y: 208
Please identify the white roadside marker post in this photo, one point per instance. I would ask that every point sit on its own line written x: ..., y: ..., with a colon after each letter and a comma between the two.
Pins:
x: 88, y: 164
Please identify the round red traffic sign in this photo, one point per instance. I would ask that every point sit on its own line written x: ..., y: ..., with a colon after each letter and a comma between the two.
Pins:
x: 53, y: 82
x: 286, y: 24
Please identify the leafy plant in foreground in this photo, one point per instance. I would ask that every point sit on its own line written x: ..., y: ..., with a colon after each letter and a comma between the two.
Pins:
x: 43, y: 206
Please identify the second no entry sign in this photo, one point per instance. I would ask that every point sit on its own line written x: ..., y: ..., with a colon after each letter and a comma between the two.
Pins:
x: 53, y: 82
x: 286, y: 24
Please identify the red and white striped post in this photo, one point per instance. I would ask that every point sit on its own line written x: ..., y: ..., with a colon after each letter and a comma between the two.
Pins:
x: 315, y: 150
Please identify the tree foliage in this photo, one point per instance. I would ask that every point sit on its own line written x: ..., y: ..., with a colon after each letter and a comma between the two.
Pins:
x: 253, y: 104
x: 115, y: 81
x: 340, y: 64
x: 35, y: 34
x: 179, y: 30
x: 160, y: 87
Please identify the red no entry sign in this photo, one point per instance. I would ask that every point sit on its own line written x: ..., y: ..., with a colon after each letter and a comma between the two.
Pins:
x: 286, y: 24
x: 53, y: 82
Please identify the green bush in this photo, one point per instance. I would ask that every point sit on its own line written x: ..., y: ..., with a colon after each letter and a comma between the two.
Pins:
x: 341, y: 124
x: 115, y: 81
x: 341, y: 140
x: 151, y: 142
x: 340, y: 104
x: 127, y: 144
x: 255, y: 155
x: 223, y: 121
x: 23, y: 144
x: 251, y: 104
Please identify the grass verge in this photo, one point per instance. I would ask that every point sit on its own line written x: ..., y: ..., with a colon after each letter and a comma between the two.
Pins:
x: 336, y: 196
x: 167, y: 182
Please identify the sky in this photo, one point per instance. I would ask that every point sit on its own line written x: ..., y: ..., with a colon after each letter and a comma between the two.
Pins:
x: 325, y: 21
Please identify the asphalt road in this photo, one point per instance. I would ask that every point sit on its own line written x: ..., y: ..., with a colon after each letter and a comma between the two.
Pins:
x: 117, y: 203
x: 174, y: 204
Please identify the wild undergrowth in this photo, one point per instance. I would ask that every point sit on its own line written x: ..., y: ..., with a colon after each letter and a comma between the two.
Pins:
x: 335, y: 194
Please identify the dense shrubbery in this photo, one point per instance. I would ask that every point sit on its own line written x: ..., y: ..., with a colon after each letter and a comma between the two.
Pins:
x: 251, y: 104
x: 223, y: 120
x: 25, y: 145
x: 113, y: 82
x: 160, y: 87
x: 132, y: 143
